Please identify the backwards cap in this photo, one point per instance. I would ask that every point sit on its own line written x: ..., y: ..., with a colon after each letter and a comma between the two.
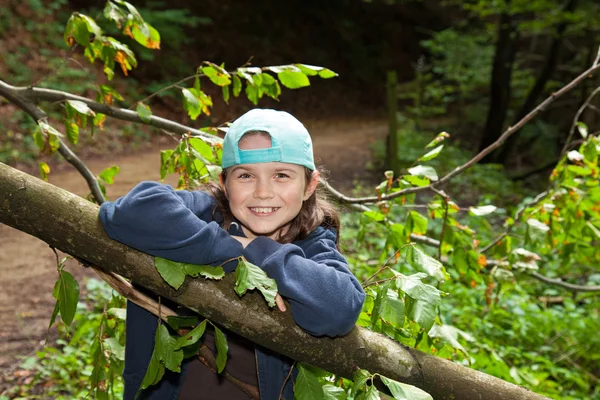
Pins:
x: 290, y: 141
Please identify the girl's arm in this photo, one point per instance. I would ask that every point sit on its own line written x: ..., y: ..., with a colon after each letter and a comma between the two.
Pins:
x: 325, y: 298
x: 177, y: 225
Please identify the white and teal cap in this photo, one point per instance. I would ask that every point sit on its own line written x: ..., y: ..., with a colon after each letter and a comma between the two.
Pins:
x: 290, y: 141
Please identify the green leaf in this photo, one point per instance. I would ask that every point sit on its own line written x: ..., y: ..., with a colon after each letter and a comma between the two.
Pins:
x: 167, y: 352
x: 432, y: 154
x: 191, y: 104
x: 423, y: 170
x: 237, y: 85
x: 155, y: 370
x: 590, y: 152
x: 372, y: 394
x: 144, y: 112
x: 192, y: 337
x: 449, y: 334
x: 225, y: 92
x: 360, y: 379
x: 537, y: 225
x: 402, y: 391
x: 583, y: 129
x: 119, y: 313
x: 182, y: 321
x: 146, y: 35
x: 68, y: 296
x: 391, y: 308
x: 72, y: 131
x: 171, y: 271
x: 416, y: 180
x: 44, y: 170
x: 482, y: 210
x: 81, y: 107
x: 422, y: 261
x: 422, y: 299
x: 307, y: 385
x: 207, y: 271
x: 217, y: 75
x: 327, y: 73
x: 49, y: 130
x: 293, y: 79
x: 248, y: 277
x: 222, y: 349
x: 108, y: 175
x: 55, y: 293
x: 331, y: 392
x: 416, y: 223
x: 252, y: 93
x: 115, y: 348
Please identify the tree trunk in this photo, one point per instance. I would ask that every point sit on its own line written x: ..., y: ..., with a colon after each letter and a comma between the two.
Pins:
x: 538, y: 88
x: 500, y: 84
x: 70, y: 223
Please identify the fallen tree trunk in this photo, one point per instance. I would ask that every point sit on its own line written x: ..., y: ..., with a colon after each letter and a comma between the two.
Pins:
x: 70, y: 223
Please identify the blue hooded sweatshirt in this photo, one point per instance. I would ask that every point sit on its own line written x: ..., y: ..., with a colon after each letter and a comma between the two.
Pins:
x: 324, y: 297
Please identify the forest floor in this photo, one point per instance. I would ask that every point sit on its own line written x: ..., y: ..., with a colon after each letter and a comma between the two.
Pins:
x: 28, y: 265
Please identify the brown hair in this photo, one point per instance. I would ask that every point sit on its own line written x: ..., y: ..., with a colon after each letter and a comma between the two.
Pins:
x: 315, y: 211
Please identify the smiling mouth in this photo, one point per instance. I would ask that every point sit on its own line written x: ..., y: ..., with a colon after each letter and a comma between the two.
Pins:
x: 263, y: 211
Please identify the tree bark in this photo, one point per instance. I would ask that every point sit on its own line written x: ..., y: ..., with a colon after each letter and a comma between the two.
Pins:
x: 545, y: 75
x: 501, y: 79
x: 70, y: 223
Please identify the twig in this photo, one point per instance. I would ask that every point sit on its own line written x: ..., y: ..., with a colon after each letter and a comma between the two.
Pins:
x: 287, y: 378
x: 176, y: 84
x: 565, y: 285
x: 510, y: 131
x: 518, y: 213
x: 39, y: 115
x: 55, y: 70
x: 33, y: 96
x: 580, y: 111
x: 385, y: 264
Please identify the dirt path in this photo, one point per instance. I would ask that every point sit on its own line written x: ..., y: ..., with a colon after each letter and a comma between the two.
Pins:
x: 28, y: 266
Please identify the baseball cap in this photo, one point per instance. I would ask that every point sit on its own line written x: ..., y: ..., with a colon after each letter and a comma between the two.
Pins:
x: 290, y: 141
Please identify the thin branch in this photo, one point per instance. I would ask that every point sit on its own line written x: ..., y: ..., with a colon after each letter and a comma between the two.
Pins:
x: 510, y: 131
x: 580, y: 111
x: 36, y: 95
x: 39, y: 115
x: 565, y: 285
x: 176, y: 84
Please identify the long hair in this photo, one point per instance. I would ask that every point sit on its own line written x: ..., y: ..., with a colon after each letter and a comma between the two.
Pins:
x: 315, y: 211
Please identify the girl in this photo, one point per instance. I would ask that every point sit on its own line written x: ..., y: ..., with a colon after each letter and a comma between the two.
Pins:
x: 266, y: 209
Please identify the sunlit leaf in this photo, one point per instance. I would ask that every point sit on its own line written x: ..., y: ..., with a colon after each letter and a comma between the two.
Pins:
x: 248, y: 277
x: 422, y: 261
x: 293, y: 79
x: 207, y: 271
x: 583, y: 129
x: 44, y: 170
x: 108, y: 175
x: 449, y: 334
x: 402, y: 391
x: 482, y: 210
x: 432, y: 154
x: 423, y: 170
x: 144, y: 112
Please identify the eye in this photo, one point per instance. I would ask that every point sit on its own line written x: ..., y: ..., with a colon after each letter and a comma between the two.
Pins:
x: 244, y: 175
x: 281, y: 175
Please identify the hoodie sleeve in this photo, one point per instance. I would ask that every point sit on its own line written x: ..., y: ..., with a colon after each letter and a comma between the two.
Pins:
x: 325, y: 298
x: 177, y: 225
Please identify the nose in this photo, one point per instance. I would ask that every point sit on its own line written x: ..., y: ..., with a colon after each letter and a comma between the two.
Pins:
x: 263, y: 190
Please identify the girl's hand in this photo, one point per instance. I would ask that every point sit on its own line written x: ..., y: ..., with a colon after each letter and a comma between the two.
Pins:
x: 244, y: 241
x: 280, y: 303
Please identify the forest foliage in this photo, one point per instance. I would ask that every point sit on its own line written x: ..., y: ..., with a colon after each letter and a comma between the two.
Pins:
x: 480, y: 271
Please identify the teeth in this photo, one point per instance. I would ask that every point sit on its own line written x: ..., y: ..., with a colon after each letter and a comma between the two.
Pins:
x: 263, y: 210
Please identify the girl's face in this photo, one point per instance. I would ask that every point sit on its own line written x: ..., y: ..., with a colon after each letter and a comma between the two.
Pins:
x: 265, y: 197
